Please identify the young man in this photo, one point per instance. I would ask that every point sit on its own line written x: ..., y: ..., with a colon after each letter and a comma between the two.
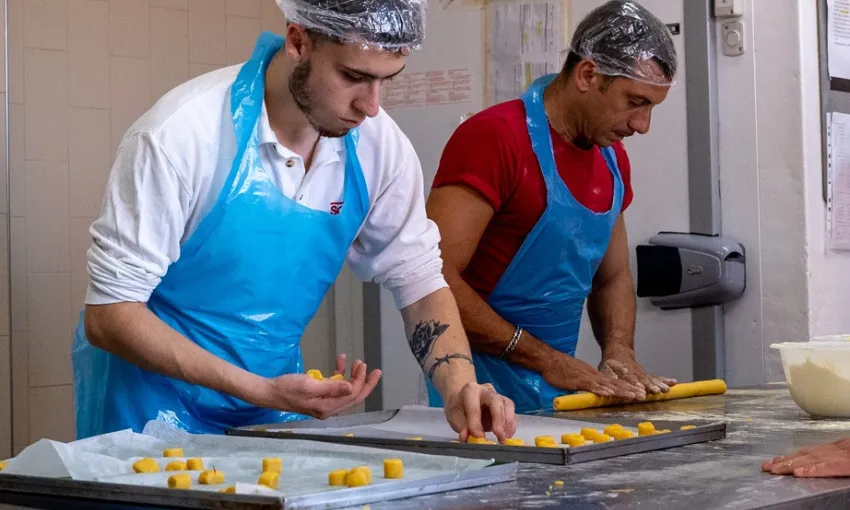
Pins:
x: 529, y: 198
x: 230, y: 210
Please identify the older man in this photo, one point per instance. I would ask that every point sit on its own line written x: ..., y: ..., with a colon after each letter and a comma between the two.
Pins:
x: 529, y: 198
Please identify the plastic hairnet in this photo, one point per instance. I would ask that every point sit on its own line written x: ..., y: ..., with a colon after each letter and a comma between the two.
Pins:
x: 621, y: 37
x: 395, y: 25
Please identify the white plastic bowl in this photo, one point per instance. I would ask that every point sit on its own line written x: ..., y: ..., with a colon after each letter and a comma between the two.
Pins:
x: 818, y: 374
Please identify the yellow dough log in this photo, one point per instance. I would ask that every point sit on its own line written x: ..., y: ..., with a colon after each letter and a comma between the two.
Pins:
x: 172, y: 452
x: 622, y: 434
x: 514, y: 442
x: 196, y: 464
x: 228, y: 490
x: 272, y: 465
x: 681, y: 390
x: 179, y: 482
x: 316, y: 374
x: 338, y: 377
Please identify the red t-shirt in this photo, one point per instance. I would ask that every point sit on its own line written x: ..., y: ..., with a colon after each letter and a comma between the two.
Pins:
x: 491, y: 153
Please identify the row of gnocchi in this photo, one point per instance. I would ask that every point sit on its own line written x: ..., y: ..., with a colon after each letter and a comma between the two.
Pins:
x: 586, y: 436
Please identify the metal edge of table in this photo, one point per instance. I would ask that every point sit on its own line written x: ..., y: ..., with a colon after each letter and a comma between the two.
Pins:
x: 503, y: 453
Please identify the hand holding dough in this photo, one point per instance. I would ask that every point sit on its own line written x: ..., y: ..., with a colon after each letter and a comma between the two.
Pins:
x: 681, y: 390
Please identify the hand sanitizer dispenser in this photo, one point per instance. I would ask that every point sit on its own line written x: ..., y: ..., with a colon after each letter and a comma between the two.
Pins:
x: 679, y: 270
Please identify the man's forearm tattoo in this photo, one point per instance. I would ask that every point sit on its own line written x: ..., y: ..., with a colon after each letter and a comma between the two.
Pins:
x: 446, y: 359
x: 424, y: 336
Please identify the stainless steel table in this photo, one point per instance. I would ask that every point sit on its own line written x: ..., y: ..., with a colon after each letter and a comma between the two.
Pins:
x: 762, y: 422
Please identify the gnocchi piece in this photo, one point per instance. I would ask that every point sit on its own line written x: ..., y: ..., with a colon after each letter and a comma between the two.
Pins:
x: 211, y: 477
x: 172, y: 452
x: 601, y: 438
x: 338, y: 377
x: 665, y: 431
x: 544, y: 441
x: 337, y: 478
x: 272, y: 465
x: 688, y: 427
x: 645, y: 428
x: 393, y: 468
x: 358, y: 477
x: 228, y: 490
x: 179, y: 481
x: 350, y: 434
x: 573, y: 439
x: 195, y: 464
x: 622, y: 434
x: 476, y: 440
x: 270, y: 479
x: 610, y: 429
x: 316, y: 374
x: 514, y: 442
x: 589, y: 433
x: 176, y: 465
x: 3, y: 465
x: 559, y: 483
x: 145, y: 466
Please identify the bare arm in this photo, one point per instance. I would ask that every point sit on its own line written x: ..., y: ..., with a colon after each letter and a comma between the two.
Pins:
x: 132, y: 332
x: 612, y: 308
x: 461, y: 229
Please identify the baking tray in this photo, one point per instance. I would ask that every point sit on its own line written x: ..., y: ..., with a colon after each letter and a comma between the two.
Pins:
x: 394, y: 429
x: 40, y: 492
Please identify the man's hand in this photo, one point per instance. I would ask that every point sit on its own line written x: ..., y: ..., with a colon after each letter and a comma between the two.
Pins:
x: 568, y: 373
x: 320, y: 399
x: 477, y: 409
x: 621, y: 363
x: 828, y: 460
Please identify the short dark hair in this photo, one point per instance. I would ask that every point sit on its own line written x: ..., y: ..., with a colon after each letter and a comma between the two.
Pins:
x: 623, y: 32
x: 395, y: 23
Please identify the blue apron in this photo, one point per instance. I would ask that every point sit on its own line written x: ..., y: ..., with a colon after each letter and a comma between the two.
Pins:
x: 248, y: 281
x: 544, y: 288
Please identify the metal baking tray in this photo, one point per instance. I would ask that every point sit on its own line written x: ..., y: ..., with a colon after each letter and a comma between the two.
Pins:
x: 50, y: 493
x: 437, y: 443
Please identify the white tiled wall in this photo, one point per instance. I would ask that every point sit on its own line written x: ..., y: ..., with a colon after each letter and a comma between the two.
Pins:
x: 80, y: 72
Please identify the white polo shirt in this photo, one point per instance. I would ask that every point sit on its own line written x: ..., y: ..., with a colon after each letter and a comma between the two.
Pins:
x: 172, y: 164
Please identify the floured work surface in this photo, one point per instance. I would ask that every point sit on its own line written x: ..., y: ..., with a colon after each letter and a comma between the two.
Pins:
x: 425, y: 429
x: 91, y: 468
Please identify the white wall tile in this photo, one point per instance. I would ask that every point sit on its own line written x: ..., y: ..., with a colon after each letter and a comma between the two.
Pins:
x: 131, y: 93
x: 45, y: 24
x: 169, y: 50
x: 48, y: 332
x: 249, y: 8
x: 129, y: 28
x: 19, y: 274
x: 52, y: 414
x: 20, y: 391
x: 48, y: 247
x: 242, y: 36
x: 46, y: 104
x: 207, y: 25
x: 91, y: 154
x: 88, y: 53
x: 47, y: 189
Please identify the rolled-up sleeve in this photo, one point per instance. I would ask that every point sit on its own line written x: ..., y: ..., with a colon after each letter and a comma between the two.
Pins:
x: 398, y: 246
x: 142, y: 222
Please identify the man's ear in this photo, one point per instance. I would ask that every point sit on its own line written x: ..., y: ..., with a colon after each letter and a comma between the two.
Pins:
x: 584, y: 75
x: 298, y: 43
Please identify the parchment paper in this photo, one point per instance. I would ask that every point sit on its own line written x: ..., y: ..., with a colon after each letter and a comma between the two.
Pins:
x: 110, y: 457
x: 429, y: 423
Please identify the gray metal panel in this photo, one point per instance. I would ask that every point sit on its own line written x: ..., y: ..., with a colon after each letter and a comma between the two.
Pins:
x: 372, y: 339
x: 835, y: 94
x: 703, y: 173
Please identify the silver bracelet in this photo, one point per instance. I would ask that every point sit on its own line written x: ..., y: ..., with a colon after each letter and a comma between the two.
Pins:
x: 512, y: 345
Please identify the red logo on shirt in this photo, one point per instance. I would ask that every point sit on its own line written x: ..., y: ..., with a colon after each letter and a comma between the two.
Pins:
x: 336, y: 207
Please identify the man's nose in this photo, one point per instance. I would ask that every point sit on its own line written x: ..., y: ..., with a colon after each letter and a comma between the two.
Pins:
x: 369, y: 102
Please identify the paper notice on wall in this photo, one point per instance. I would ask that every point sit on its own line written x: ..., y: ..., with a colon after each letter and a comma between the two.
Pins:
x: 838, y: 182
x: 430, y: 88
x: 838, y: 38
x: 524, y: 43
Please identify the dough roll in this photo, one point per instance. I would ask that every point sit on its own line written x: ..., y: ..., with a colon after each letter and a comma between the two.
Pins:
x: 681, y: 390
